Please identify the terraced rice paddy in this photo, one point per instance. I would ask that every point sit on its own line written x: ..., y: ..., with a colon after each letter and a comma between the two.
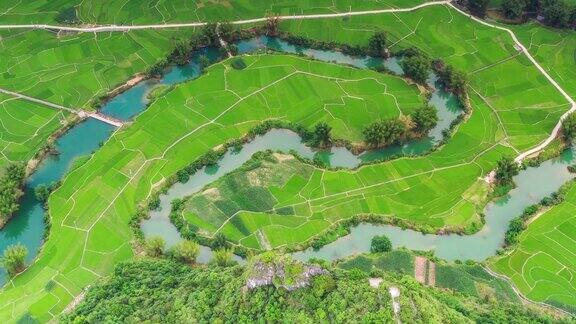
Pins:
x: 543, y: 265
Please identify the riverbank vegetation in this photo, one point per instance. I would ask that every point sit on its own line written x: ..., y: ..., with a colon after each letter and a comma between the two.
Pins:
x: 10, y: 190
x: 176, y: 293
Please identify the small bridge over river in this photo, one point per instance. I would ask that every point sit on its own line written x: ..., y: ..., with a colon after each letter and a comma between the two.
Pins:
x: 81, y: 113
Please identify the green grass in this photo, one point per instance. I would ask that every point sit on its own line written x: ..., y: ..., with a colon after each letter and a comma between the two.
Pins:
x: 543, y: 264
x: 140, y: 12
x: 75, y: 70
x: 24, y: 128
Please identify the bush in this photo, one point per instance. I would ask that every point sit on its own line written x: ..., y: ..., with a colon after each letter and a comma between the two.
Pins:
x: 14, y: 258
x: 238, y: 64
x: 187, y: 251
x: 222, y: 257
x: 155, y: 246
x: 416, y: 67
x: 380, y: 243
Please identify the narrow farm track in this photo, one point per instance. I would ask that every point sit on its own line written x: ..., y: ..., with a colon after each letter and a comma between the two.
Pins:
x: 81, y: 113
x: 124, y: 28
x: 520, y: 46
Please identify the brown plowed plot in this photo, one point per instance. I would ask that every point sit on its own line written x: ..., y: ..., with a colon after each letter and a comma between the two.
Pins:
x: 420, y: 269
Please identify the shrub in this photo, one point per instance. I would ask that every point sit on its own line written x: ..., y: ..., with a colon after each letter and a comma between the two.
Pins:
x: 380, y: 243
x: 238, y: 64
x: 187, y: 251
x: 14, y: 259
x: 155, y: 246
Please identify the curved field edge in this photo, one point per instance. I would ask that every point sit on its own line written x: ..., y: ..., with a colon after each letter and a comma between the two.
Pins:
x: 543, y: 263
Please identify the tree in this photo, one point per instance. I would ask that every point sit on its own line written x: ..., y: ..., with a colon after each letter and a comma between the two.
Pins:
x: 222, y: 257
x: 425, y: 118
x: 10, y: 190
x: 272, y: 26
x: 181, y: 53
x: 506, y: 169
x: 155, y: 246
x: 513, y: 8
x: 416, y: 67
x: 374, y: 134
x: 226, y: 31
x: 380, y: 243
x: 377, y: 44
x: 219, y: 242
x: 14, y: 259
x: 555, y: 12
x: 384, y: 132
x: 322, y: 133
x: 478, y: 7
x: 209, y: 36
x: 187, y: 251
x: 569, y: 128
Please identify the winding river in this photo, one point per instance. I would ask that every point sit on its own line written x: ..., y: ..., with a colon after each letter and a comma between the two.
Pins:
x: 27, y: 227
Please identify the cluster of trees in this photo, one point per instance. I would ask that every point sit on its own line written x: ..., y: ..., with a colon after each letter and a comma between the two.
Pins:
x: 169, y: 292
x: 452, y: 79
x: 10, y: 190
x: 417, y: 67
x: 386, y: 132
x: 187, y: 251
x: 68, y: 16
x: 557, y: 13
x: 569, y: 128
x: 506, y: 169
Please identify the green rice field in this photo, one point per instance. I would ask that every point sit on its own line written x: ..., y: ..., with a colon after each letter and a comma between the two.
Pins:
x: 543, y: 265
x: 75, y: 70
x: 98, y: 198
x: 527, y: 104
x: 24, y: 128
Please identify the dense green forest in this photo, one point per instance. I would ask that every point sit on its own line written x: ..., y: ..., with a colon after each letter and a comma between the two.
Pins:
x: 10, y: 183
x: 153, y: 290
